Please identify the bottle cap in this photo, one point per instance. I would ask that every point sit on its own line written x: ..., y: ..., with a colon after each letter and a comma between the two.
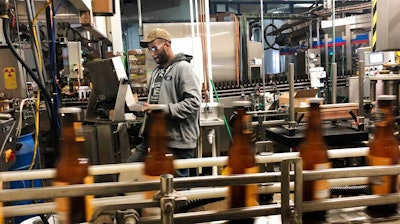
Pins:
x: 386, y: 97
x: 315, y: 100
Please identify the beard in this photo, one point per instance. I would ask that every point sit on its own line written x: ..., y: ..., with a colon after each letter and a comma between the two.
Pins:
x: 161, y: 58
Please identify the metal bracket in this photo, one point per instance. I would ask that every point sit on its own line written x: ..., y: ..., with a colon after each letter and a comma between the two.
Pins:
x: 290, y: 213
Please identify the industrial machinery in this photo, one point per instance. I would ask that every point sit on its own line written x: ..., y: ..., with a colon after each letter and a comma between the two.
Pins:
x: 109, y: 112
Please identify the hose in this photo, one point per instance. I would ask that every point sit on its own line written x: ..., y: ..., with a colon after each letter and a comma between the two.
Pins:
x: 51, y: 112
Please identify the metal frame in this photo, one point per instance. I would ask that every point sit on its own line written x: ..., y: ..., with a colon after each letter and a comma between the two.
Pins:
x: 167, y: 199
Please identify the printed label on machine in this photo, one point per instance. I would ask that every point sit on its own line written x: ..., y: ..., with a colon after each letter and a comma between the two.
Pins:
x: 10, y: 78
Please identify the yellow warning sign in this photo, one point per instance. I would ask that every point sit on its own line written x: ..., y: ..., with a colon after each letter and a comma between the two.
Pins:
x: 10, y: 78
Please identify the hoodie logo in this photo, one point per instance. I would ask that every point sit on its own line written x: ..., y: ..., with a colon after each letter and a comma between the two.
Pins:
x: 168, y: 78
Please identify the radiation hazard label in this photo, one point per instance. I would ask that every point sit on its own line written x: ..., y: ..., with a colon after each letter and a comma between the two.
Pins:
x: 10, y: 78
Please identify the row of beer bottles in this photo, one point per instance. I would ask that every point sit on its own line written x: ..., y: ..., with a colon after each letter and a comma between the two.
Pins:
x: 72, y: 166
x: 383, y: 150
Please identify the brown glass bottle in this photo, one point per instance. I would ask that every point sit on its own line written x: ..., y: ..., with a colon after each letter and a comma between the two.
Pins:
x: 72, y: 166
x: 241, y: 160
x: 383, y: 150
x: 313, y: 152
x: 159, y: 160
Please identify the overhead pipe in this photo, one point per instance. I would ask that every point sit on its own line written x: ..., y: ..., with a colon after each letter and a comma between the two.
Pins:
x: 139, y: 7
x: 291, y: 93
x: 208, y: 46
x: 262, y: 70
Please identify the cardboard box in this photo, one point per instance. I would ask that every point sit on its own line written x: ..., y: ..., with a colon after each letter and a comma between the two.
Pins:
x: 103, y: 7
x: 300, y: 97
x: 225, y: 16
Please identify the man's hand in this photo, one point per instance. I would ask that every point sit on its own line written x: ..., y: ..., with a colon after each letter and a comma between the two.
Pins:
x: 149, y: 107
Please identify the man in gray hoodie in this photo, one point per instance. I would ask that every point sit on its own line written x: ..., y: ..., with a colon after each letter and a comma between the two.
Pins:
x: 174, y: 87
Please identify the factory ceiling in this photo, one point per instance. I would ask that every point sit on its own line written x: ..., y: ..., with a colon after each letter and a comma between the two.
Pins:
x: 243, y: 6
x: 297, y: 15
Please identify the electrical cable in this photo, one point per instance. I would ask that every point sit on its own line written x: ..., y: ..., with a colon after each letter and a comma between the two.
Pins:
x: 37, y: 114
x: 19, y: 125
x: 53, y: 66
x: 35, y: 36
x: 29, y: 5
x: 52, y: 115
x: 36, y: 144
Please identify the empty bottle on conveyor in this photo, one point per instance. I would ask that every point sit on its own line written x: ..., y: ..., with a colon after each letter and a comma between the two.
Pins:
x: 241, y: 160
x: 72, y: 168
x: 383, y: 150
x: 313, y: 152
x: 159, y: 160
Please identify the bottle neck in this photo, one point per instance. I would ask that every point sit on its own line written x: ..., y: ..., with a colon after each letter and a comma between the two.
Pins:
x: 241, y: 131
x: 384, y: 120
x: 314, y: 124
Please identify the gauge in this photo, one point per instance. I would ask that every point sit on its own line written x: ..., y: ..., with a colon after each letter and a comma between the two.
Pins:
x: 312, y: 55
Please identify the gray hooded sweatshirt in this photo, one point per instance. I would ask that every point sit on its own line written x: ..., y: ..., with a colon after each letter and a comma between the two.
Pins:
x: 180, y: 91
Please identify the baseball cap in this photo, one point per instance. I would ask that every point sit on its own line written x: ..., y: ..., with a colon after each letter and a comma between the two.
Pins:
x: 156, y: 33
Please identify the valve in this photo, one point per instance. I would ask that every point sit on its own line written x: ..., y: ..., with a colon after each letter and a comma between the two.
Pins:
x: 10, y: 156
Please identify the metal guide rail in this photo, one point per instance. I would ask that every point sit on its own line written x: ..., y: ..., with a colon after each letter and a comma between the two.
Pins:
x: 288, y: 181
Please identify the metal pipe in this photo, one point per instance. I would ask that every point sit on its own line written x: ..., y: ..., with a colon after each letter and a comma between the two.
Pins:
x: 215, y: 181
x: 338, y: 105
x: 193, y: 194
x: 192, y: 23
x: 212, y: 215
x: 334, y: 82
x: 348, y: 202
x: 167, y: 184
x: 180, y: 163
x: 262, y: 68
x: 318, y: 35
x: 310, y: 37
x: 285, y: 193
x: 361, y: 65
x: 140, y: 22
x: 111, y: 188
x: 334, y: 203
x: 326, y: 40
x: 214, y: 152
x: 348, y: 51
x: 5, y: 116
x: 306, y: 206
x: 208, y: 46
x: 291, y: 92
x: 167, y: 200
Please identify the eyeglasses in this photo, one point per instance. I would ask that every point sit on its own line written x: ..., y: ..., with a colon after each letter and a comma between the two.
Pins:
x: 154, y: 48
